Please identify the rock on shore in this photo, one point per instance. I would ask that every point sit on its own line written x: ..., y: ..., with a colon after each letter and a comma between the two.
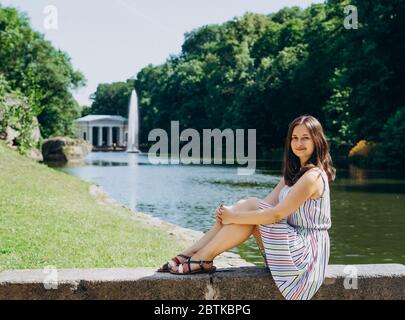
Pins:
x: 64, y: 149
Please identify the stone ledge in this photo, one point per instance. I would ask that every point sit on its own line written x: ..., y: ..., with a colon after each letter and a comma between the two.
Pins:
x: 374, y: 281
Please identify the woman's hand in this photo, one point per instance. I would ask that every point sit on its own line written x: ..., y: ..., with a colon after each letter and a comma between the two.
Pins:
x: 217, y: 214
x: 224, y: 215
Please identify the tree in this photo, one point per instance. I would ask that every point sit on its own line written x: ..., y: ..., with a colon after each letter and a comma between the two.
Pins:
x: 112, y: 98
x: 43, y: 74
x: 259, y: 71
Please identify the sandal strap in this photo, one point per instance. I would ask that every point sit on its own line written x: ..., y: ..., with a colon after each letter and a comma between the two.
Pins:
x: 176, y: 261
x: 199, y: 262
x: 188, y: 262
x: 188, y: 265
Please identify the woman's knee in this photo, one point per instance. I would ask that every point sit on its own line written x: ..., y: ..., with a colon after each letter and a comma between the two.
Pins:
x: 253, y: 203
x: 250, y: 200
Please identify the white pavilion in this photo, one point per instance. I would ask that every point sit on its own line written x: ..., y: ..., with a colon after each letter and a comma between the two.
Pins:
x: 103, y: 130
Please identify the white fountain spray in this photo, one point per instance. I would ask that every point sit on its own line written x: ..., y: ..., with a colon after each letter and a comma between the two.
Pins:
x: 133, y: 124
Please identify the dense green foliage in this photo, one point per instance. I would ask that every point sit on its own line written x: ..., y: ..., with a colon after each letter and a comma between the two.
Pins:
x: 261, y: 71
x: 16, y: 113
x: 111, y: 99
x: 393, y: 139
x: 39, y: 72
x: 255, y: 71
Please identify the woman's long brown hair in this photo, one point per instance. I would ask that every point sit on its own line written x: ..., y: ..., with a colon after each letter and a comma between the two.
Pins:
x: 320, y: 157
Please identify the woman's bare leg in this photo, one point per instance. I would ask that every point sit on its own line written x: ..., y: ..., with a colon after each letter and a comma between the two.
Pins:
x: 258, y: 238
x: 228, y: 237
x: 204, y: 240
x: 245, y: 204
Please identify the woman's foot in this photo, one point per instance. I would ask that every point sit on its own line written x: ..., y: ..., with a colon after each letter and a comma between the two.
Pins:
x: 175, y: 261
x: 191, y: 266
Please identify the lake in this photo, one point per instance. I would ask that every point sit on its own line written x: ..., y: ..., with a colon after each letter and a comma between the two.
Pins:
x: 367, y: 206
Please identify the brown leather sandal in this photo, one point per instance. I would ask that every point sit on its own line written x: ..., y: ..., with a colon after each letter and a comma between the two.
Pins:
x: 187, y: 270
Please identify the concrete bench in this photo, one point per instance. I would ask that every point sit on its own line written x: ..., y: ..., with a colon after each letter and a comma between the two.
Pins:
x: 369, y: 281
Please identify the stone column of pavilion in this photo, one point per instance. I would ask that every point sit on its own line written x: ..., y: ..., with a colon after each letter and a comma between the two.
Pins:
x: 109, y: 136
x: 90, y: 134
x: 100, y: 136
x: 122, y: 133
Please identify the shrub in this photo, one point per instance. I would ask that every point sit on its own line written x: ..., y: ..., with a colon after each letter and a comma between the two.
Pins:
x: 363, y: 152
x: 363, y: 148
x: 390, y: 151
x: 16, y: 113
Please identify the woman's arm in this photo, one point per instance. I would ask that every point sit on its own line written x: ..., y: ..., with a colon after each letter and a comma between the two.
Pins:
x: 305, y: 187
x: 272, y: 197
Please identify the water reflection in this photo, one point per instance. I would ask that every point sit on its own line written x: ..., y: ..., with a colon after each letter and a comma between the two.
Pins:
x: 356, y: 173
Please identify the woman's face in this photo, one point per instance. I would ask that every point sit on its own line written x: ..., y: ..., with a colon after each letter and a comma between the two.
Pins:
x: 302, y: 143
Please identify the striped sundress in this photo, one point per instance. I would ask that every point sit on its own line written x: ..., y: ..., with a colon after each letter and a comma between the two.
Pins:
x: 297, y: 248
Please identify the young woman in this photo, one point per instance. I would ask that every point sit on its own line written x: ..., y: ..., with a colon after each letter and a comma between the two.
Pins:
x: 290, y: 224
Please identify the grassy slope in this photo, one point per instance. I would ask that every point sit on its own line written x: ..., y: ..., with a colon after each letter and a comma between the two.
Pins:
x: 48, y: 218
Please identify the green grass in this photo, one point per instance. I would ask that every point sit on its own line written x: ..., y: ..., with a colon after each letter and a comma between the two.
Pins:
x: 48, y: 218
